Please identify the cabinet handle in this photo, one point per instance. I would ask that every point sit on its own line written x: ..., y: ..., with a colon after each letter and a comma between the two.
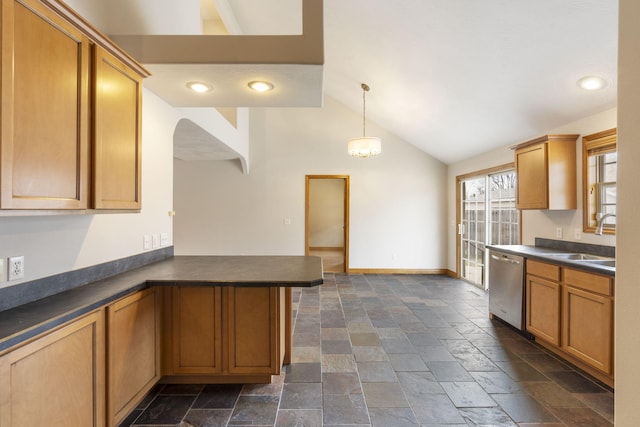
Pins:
x: 502, y: 259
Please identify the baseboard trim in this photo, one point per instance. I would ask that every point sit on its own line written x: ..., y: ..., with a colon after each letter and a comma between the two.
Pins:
x: 326, y: 248
x: 435, y: 271
x: 452, y: 274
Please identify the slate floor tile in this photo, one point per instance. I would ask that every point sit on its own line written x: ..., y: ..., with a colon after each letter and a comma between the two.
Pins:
x: 578, y: 417
x: 376, y: 372
x: 338, y: 363
x: 407, y: 362
x: 436, y: 409
x: 341, y: 383
x: 392, y: 417
x: 166, y: 409
x: 487, y: 417
x: 370, y: 354
x: 341, y: 409
x: 207, y: 417
x: 467, y: 394
x: 416, y: 384
x: 552, y: 395
x: 218, y: 396
x: 449, y: 371
x: 299, y: 417
x: 303, y: 373
x: 523, y: 408
x: 575, y: 382
x: 301, y: 396
x: 255, y: 410
x: 497, y: 382
x: 365, y: 339
x: 384, y: 395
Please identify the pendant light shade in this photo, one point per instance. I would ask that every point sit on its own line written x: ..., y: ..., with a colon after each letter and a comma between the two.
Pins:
x: 364, y: 146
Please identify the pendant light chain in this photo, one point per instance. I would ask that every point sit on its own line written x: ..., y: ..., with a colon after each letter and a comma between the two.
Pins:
x: 365, y: 89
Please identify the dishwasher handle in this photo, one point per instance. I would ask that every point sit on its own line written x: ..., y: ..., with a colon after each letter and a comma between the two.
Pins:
x: 505, y: 259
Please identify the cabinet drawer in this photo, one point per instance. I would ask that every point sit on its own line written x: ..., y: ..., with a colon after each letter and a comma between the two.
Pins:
x: 542, y: 269
x: 588, y: 281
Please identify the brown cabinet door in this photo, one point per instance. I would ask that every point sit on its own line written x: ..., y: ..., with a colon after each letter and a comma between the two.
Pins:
x: 588, y: 327
x: 116, y: 134
x: 133, y: 351
x: 44, y: 114
x: 56, y: 380
x: 254, y: 321
x: 543, y: 309
x: 532, y: 173
x: 197, y: 330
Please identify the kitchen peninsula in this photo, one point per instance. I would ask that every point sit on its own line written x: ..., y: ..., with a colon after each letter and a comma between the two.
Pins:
x: 216, y: 319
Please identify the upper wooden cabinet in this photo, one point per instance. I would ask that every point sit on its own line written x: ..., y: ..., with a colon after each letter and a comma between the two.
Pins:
x: 70, y: 113
x: 546, y: 172
x: 45, y: 110
x: 116, y: 134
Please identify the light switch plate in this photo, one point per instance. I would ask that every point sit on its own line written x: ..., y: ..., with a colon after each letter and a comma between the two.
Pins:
x: 3, y: 273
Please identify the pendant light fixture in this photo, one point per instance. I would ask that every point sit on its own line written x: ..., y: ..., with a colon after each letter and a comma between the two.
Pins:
x: 364, y: 146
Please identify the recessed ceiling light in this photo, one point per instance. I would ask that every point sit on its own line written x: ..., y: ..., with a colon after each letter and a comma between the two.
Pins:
x: 260, y: 86
x: 200, y: 87
x: 592, y: 83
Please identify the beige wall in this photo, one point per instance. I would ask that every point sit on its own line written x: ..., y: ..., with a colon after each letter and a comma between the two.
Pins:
x: 627, y: 336
x: 535, y: 223
x: 397, y: 198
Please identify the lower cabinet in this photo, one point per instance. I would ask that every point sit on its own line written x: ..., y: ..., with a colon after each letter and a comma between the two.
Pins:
x: 570, y: 312
x: 133, y: 351
x: 57, y: 380
x: 255, y: 326
x: 197, y: 330
x: 587, y: 332
x: 225, y: 332
x: 543, y: 309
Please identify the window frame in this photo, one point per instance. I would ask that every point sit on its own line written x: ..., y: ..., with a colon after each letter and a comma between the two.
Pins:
x: 592, y: 145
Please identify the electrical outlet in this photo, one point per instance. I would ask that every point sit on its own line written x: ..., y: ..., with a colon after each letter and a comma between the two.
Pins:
x: 164, y: 239
x: 16, y: 267
x: 146, y: 242
x: 3, y: 274
x: 559, y: 232
x: 577, y: 234
x: 155, y: 241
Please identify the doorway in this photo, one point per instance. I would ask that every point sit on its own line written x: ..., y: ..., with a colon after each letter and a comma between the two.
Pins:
x: 486, y: 215
x: 327, y: 220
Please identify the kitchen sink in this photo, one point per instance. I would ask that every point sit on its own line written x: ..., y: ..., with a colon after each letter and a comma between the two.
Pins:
x: 588, y: 258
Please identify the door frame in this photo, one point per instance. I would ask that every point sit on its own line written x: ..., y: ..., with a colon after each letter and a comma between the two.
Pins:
x: 345, y: 225
x: 461, y: 178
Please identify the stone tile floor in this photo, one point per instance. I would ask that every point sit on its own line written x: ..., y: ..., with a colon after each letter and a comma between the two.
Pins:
x: 395, y: 350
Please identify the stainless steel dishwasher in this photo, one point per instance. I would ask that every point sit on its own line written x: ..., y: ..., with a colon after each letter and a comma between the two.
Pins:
x: 506, y: 287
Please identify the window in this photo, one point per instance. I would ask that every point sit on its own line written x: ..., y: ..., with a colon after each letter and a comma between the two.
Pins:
x: 600, y: 171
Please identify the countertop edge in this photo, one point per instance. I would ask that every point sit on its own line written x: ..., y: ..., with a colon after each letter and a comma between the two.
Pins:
x: 542, y: 253
x: 22, y: 323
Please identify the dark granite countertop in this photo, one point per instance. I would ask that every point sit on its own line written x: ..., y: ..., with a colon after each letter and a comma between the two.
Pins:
x: 543, y: 253
x: 26, y: 321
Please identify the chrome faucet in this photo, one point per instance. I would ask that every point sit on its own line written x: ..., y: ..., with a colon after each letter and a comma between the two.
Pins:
x: 600, y: 223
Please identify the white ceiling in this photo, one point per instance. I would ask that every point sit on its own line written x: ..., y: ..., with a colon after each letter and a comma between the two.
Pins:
x: 455, y: 78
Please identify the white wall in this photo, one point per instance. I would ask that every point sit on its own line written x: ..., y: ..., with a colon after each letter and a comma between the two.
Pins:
x: 535, y: 223
x: 627, y: 336
x: 397, y: 198
x: 55, y: 244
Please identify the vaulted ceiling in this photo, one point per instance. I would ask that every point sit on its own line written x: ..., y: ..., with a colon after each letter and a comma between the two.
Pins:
x: 455, y: 78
